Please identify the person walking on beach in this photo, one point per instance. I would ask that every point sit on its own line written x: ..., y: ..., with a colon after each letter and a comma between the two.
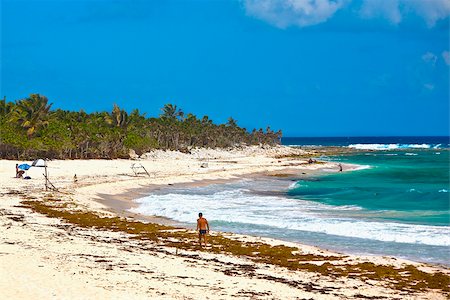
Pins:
x: 202, y: 228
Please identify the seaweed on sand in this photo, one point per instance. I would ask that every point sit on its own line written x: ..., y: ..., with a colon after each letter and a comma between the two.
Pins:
x: 406, y: 278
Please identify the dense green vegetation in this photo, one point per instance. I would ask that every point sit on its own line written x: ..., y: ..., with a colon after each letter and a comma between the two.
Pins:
x: 29, y: 128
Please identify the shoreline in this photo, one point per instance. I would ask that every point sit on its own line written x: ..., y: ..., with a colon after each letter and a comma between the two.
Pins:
x: 111, y: 179
x: 286, y: 175
x: 121, y: 203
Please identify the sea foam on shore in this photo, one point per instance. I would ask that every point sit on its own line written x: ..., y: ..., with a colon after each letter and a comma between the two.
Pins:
x: 249, y: 208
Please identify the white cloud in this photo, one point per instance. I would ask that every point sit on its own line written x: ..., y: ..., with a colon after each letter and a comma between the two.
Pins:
x: 446, y: 57
x: 285, y: 13
x: 302, y: 13
x: 388, y: 9
x: 395, y: 10
x: 430, y: 58
x: 431, y: 10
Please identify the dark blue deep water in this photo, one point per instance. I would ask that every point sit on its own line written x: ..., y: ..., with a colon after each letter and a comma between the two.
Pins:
x: 381, y: 142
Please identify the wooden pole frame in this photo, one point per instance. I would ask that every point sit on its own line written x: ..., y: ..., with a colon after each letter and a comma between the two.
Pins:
x: 46, y: 176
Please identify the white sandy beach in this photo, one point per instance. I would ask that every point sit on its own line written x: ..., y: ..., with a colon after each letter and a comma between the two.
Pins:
x: 42, y: 257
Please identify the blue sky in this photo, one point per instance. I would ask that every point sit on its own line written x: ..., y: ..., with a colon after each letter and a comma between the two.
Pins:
x: 308, y: 67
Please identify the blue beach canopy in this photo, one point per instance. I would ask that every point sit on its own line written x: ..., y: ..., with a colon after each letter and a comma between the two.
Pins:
x: 24, y: 166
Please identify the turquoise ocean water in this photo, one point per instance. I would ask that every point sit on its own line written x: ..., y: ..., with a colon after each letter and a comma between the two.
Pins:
x: 409, y: 186
x: 396, y: 203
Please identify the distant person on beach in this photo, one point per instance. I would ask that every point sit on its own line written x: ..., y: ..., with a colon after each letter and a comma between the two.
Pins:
x: 202, y: 228
x: 340, y: 168
x: 19, y: 173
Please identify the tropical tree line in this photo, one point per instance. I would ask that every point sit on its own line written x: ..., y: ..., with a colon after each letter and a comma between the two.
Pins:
x: 30, y: 128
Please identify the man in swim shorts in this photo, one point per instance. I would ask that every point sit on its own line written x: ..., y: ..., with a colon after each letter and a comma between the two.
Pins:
x: 202, y: 228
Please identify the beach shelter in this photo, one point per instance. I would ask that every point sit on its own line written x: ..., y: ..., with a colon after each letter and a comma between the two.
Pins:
x: 39, y: 163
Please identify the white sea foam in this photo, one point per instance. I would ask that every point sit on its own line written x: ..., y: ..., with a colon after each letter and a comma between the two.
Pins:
x: 305, y: 146
x: 389, y: 146
x: 294, y: 185
x: 443, y: 191
x: 362, y: 167
x: 239, y: 206
x: 411, y: 154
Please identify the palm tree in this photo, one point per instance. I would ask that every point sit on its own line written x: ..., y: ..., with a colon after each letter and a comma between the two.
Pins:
x: 171, y: 112
x: 5, y: 107
x: 117, y: 118
x: 136, y: 119
x: 231, y: 122
x: 206, y: 121
x: 31, y: 113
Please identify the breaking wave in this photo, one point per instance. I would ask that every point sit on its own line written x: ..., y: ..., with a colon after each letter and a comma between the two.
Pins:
x: 392, y: 146
x: 241, y: 207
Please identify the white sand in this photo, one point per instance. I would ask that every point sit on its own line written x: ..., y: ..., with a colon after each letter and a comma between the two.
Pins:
x: 42, y: 258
